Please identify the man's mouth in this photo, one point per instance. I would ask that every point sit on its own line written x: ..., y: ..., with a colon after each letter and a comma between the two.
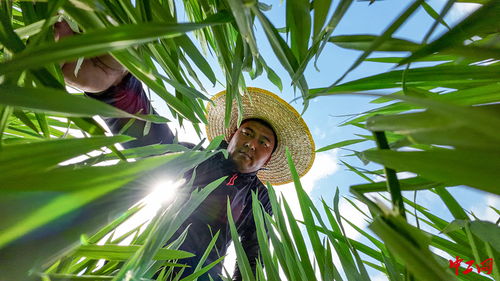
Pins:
x: 246, y: 155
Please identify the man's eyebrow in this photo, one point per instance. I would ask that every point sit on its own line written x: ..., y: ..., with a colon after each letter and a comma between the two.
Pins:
x: 248, y: 128
x: 267, y: 139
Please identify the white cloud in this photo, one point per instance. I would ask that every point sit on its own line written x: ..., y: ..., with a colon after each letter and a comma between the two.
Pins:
x: 348, y: 211
x: 379, y: 277
x: 324, y: 166
x: 318, y: 133
x: 401, y: 175
x: 461, y: 10
x: 187, y: 133
x: 483, y: 211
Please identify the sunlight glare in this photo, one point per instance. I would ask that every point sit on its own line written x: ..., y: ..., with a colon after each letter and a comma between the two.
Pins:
x: 163, y: 192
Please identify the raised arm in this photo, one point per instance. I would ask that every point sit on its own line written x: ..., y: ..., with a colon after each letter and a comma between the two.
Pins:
x: 95, y: 74
x: 105, y: 79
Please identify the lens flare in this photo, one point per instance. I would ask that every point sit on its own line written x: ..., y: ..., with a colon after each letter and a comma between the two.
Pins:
x: 163, y: 192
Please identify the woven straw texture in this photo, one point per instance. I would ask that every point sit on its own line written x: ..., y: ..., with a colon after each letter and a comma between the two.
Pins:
x: 291, y: 130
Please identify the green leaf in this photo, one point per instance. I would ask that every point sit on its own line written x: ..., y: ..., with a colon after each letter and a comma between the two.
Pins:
x: 42, y: 122
x: 192, y: 51
x: 298, y: 21
x: 415, y: 183
x: 19, y: 159
x: 364, y: 42
x: 386, y: 35
x: 411, y: 245
x: 340, y: 144
x: 339, y: 13
x: 456, y: 210
x: 481, y: 22
x: 111, y: 226
x: 271, y: 75
x: 134, y: 65
x: 54, y: 101
x: 242, y: 259
x: 5, y: 112
x: 101, y: 184
x: 454, y: 226
x: 117, y: 253
x: 244, y: 21
x: 282, y: 51
x: 431, y: 127
x: 262, y: 238
x: 356, y: 171
x: 72, y: 277
x: 452, y: 76
x: 474, y: 168
x: 97, y: 42
x: 34, y: 28
x: 185, y: 90
x: 488, y: 232
x: 306, y: 212
x: 431, y: 12
x: 215, y: 143
x: 203, y: 270
x: 23, y: 117
x: 299, y: 241
x: 321, y: 8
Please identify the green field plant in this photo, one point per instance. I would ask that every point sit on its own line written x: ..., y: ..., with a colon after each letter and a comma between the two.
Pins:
x: 66, y: 185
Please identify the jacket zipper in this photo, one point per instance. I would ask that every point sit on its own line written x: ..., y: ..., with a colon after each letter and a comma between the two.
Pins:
x: 232, y: 179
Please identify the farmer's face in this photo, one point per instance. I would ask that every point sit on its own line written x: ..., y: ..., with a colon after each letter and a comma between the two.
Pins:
x: 251, y: 146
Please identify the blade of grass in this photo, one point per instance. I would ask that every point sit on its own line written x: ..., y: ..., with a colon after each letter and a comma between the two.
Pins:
x: 452, y: 167
x: 97, y: 42
x: 306, y: 212
x: 53, y: 101
x: 480, y: 22
x: 456, y: 210
x: 242, y: 259
x: 298, y: 21
x: 115, y: 252
x: 385, y: 36
x: 364, y: 42
x: 20, y: 159
x: 411, y: 246
x: 340, y: 144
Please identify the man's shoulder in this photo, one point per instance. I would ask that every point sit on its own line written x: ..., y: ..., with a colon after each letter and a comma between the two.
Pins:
x: 261, y: 189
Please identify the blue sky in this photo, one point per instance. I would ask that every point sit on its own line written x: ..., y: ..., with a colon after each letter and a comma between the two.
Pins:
x: 326, y: 175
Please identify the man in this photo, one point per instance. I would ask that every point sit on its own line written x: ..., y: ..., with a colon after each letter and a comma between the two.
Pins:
x: 256, y: 152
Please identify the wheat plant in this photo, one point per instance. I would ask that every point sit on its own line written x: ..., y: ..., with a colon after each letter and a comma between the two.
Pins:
x: 65, y: 187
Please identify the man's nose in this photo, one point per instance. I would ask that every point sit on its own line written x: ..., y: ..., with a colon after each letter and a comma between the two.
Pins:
x: 251, y: 144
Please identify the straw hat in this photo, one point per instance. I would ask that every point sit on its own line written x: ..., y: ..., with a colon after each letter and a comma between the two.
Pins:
x: 290, y: 128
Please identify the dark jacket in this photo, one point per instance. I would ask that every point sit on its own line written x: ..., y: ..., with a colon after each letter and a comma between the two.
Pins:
x: 211, y: 215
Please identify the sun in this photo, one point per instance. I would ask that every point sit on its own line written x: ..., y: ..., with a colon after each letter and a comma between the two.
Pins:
x: 162, y: 193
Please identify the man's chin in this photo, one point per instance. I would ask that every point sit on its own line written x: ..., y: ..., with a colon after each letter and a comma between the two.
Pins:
x: 241, y: 163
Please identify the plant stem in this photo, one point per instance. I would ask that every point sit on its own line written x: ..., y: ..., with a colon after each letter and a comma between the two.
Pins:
x: 391, y: 177
x: 472, y: 242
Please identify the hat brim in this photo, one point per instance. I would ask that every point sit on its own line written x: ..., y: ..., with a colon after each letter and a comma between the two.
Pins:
x: 290, y: 128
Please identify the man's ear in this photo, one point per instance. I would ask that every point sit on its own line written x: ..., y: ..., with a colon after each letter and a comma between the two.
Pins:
x: 231, y: 135
x: 268, y: 159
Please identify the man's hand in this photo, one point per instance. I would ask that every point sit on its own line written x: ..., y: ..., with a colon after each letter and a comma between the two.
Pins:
x: 95, y: 74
